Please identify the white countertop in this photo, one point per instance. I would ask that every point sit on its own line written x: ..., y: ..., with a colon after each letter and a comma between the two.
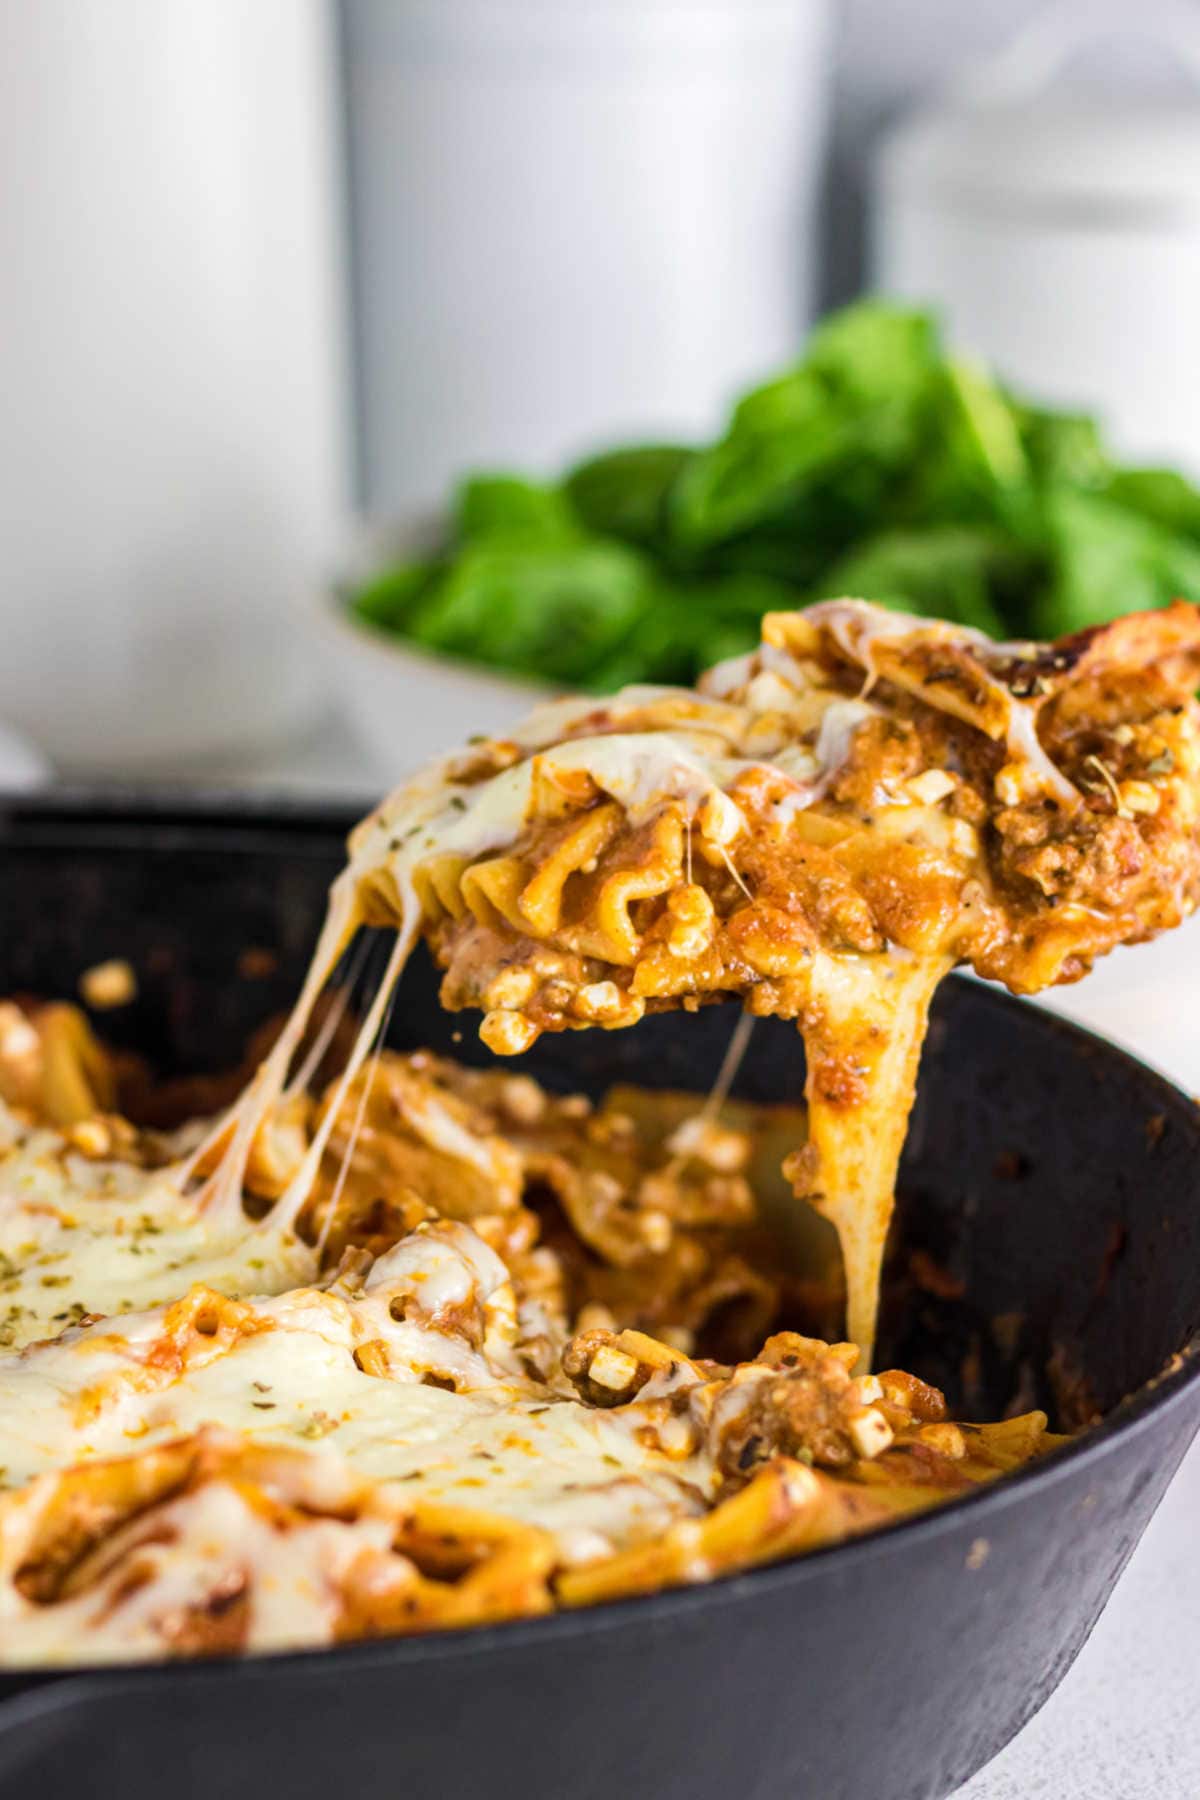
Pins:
x: 1125, y: 1723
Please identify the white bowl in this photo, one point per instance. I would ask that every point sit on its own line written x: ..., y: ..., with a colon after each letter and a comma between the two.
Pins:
x: 408, y: 704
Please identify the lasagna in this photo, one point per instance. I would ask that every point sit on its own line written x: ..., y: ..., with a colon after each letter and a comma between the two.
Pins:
x: 517, y: 1352
x: 390, y: 1344
x: 821, y: 831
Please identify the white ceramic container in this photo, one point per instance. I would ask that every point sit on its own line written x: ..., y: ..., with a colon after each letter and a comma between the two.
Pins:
x: 1060, y: 233
x: 170, y: 437
x: 575, y: 221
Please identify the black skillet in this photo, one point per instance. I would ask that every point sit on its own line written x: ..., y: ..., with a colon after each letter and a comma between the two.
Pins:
x: 1054, y: 1180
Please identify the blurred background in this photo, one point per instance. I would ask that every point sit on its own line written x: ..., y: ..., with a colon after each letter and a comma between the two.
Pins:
x: 373, y: 365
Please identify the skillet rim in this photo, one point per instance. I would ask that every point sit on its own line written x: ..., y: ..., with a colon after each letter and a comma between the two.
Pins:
x: 269, y: 817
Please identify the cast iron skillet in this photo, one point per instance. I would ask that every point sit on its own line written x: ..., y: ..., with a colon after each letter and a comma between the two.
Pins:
x: 1055, y: 1179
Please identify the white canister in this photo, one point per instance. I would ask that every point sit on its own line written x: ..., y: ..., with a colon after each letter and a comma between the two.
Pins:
x: 574, y: 221
x: 171, y: 439
x: 1060, y: 234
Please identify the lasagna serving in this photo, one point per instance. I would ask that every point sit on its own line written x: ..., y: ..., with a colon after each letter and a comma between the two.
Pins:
x: 392, y: 1344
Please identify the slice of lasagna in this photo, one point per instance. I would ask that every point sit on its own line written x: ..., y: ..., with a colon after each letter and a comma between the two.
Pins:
x: 821, y: 831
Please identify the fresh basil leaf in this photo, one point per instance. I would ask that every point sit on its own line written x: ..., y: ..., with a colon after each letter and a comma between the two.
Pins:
x: 389, y: 600
x: 971, y: 465
x: 1163, y: 495
x: 490, y: 504
x: 1108, y: 561
x: 945, y: 571
x: 1064, y: 449
x: 688, y: 624
x: 623, y: 494
x: 552, y: 608
x: 843, y: 426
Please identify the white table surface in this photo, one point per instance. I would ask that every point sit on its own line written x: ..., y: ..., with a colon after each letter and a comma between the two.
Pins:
x: 1125, y: 1723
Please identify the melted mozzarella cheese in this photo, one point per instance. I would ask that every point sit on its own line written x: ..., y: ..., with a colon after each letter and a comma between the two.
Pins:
x: 82, y: 1237
x: 528, y: 1455
x: 640, y: 769
x: 204, y: 1540
x: 452, y: 1422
